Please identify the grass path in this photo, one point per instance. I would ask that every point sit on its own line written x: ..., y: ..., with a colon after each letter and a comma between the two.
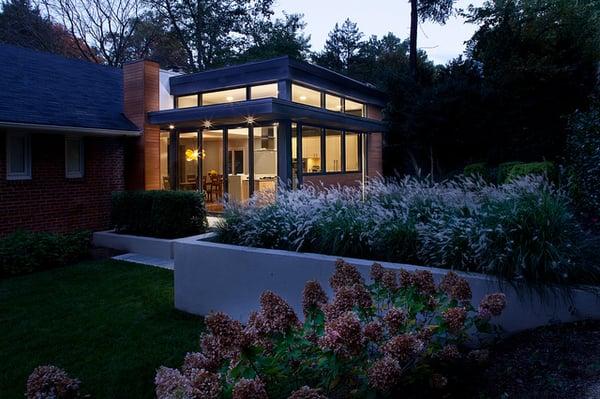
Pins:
x: 108, y: 323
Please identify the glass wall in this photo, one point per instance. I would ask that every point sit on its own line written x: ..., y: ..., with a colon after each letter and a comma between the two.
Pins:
x: 333, y: 103
x: 187, y: 101
x: 263, y: 91
x: 333, y: 150
x: 354, y: 108
x: 163, y: 151
x: 311, y: 149
x: 224, y: 96
x: 237, y: 164
x: 306, y: 96
x: 212, y: 168
x: 188, y: 161
x: 265, y: 158
x: 352, y: 152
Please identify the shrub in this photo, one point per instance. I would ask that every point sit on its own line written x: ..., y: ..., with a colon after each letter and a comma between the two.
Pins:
x: 392, y: 336
x: 545, y: 169
x: 583, y: 162
x: 26, y: 252
x: 163, y: 214
x: 50, y: 382
x: 522, y: 229
x: 477, y: 169
x: 503, y: 170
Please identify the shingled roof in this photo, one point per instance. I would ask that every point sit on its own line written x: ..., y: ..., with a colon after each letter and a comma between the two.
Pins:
x: 44, y: 89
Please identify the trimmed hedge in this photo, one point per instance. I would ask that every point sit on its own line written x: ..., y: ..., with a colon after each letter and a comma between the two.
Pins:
x: 546, y: 169
x: 25, y: 252
x: 503, y: 170
x: 477, y: 169
x: 159, y: 213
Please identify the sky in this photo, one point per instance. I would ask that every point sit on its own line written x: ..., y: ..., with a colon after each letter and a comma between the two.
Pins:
x: 378, y: 17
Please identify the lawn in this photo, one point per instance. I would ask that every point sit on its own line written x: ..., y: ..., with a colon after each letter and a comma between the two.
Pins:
x: 108, y: 323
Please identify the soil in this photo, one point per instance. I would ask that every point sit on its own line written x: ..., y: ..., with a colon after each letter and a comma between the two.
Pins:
x: 561, y: 361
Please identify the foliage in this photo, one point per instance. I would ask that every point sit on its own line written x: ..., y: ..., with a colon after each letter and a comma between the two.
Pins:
x: 583, y: 161
x: 25, y: 252
x: 477, y: 169
x: 370, y: 341
x: 520, y: 230
x: 341, y: 48
x: 51, y: 382
x: 109, y: 323
x: 159, y: 213
x: 503, y: 170
x: 545, y: 168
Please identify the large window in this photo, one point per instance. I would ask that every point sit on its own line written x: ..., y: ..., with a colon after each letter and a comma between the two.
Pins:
x: 352, y: 152
x: 306, y: 96
x: 354, y: 108
x: 263, y: 91
x: 74, y: 157
x: 224, y: 96
x: 333, y: 103
x: 18, y: 156
x: 265, y: 158
x: 187, y: 101
x: 333, y: 150
x: 311, y: 149
x: 163, y: 148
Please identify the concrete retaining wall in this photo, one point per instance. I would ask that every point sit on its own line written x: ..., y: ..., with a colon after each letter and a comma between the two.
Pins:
x: 218, y: 277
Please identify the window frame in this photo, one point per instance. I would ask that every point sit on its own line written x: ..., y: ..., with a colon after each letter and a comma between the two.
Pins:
x: 201, y: 95
x: 26, y: 175
x: 198, y: 100
x: 81, y: 173
x: 308, y: 87
x: 249, y: 94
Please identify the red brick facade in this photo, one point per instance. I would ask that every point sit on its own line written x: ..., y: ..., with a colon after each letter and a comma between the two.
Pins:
x: 51, y: 202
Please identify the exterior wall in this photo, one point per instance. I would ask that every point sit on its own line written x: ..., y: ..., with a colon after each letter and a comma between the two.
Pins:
x: 141, y: 86
x: 374, y: 112
x: 50, y: 201
x: 374, y: 154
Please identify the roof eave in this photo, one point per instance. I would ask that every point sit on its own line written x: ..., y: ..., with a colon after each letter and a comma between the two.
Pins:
x: 70, y: 129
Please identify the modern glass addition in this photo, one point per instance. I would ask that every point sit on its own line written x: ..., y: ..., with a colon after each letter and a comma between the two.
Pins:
x: 352, y: 142
x: 263, y: 91
x: 354, y: 108
x: 311, y: 149
x: 306, y: 96
x: 187, y: 101
x: 224, y: 96
x: 333, y: 103
x: 333, y: 150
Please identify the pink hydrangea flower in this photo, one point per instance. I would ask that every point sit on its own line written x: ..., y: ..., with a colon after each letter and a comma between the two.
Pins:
x: 51, y: 382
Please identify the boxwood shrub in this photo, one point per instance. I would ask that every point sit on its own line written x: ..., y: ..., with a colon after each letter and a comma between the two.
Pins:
x: 162, y: 214
x: 504, y: 169
x: 477, y: 169
x: 25, y: 252
x: 545, y: 169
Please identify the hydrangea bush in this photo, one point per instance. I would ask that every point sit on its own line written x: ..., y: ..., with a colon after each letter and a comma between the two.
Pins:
x: 51, y: 382
x: 369, y: 341
x: 522, y: 229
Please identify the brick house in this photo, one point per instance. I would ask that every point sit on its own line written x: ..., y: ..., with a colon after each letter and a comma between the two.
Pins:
x: 73, y: 132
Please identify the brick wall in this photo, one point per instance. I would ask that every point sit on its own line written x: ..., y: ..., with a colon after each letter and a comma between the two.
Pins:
x: 375, y: 154
x: 51, y: 202
x: 343, y: 179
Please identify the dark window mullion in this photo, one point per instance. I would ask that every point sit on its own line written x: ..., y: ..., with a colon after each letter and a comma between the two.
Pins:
x: 323, y: 149
x: 299, y: 163
x: 343, y: 160
x: 250, y: 161
x: 225, y: 161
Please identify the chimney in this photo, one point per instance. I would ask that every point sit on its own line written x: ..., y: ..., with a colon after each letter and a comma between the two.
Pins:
x: 140, y: 96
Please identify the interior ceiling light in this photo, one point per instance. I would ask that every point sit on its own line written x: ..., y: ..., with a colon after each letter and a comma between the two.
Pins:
x: 229, y: 98
x: 171, y: 127
x: 250, y: 119
x: 303, y: 98
x: 207, y: 124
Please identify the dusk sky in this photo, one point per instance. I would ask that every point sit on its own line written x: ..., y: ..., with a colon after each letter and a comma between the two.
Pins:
x: 378, y: 17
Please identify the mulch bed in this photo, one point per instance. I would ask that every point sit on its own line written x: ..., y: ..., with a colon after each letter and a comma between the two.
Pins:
x: 561, y: 361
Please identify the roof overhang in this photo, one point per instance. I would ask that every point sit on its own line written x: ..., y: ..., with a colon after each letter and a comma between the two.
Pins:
x: 263, y: 110
x: 70, y: 129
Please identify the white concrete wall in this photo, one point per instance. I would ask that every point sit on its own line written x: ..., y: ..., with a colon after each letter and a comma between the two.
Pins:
x: 217, y: 277
x: 164, y: 91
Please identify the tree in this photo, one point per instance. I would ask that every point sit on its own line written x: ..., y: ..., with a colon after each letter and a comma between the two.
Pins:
x: 433, y: 10
x: 278, y: 38
x: 212, y: 31
x: 341, y: 48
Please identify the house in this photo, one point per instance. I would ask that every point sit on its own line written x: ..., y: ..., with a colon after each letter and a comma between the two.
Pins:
x: 76, y: 131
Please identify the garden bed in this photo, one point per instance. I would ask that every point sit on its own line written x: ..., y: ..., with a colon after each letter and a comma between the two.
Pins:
x: 211, y: 276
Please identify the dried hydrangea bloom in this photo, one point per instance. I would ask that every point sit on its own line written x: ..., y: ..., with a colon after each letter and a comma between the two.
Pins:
x: 344, y: 301
x: 276, y: 314
x: 227, y: 331
x: 422, y: 280
x: 313, y: 297
x: 377, y: 272
x: 438, y: 381
x: 51, y: 382
x: 212, y: 351
x: 493, y: 304
x: 389, y: 280
x: 456, y: 287
x: 455, y: 318
x: 425, y: 333
x: 373, y: 331
x: 395, y: 319
x: 307, y: 393
x: 171, y: 384
x: 249, y: 389
x: 384, y: 374
x: 345, y: 275
x: 403, y: 347
x: 204, y: 384
x: 343, y: 335
x: 194, y: 361
x: 362, y: 296
x: 449, y: 353
x: 479, y: 356
x: 406, y: 278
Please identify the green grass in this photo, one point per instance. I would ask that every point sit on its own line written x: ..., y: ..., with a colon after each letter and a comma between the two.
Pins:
x: 110, y: 324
